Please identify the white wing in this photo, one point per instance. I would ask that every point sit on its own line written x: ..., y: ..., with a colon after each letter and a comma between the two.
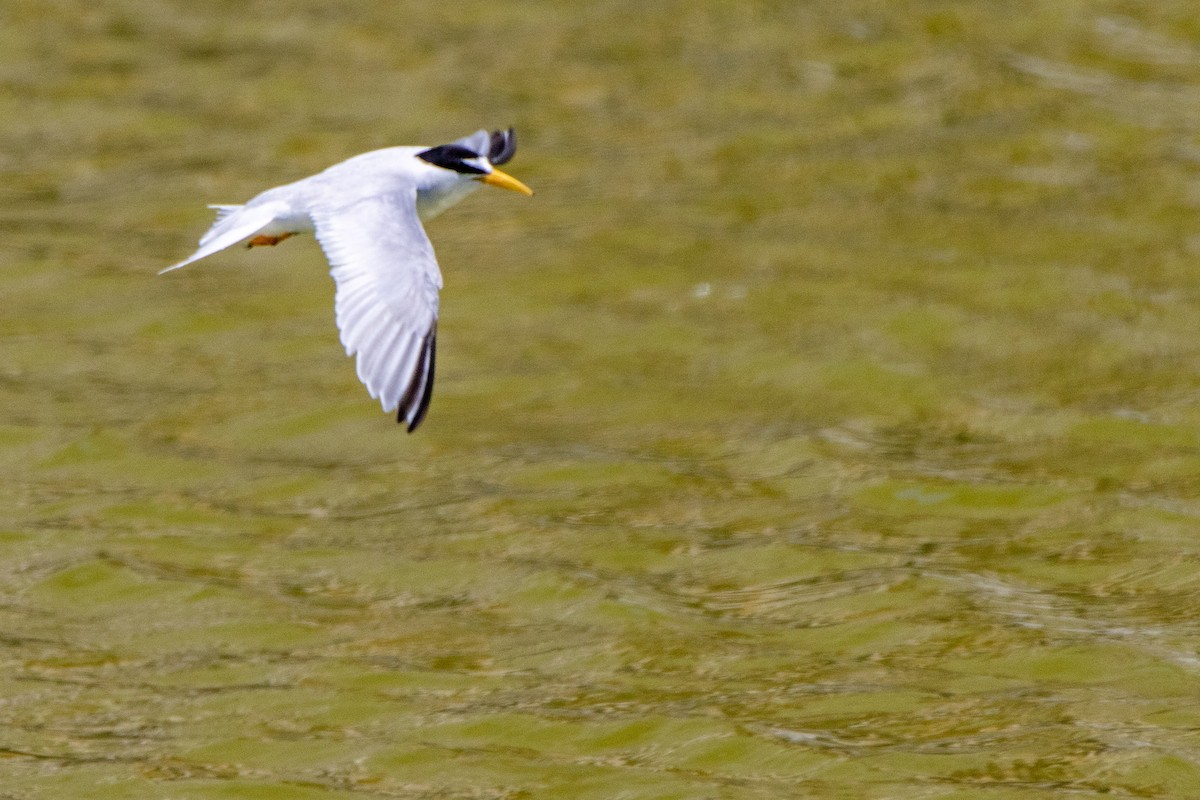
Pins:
x: 387, y: 296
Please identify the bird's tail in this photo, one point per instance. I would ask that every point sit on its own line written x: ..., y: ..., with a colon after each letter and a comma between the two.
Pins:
x: 232, y: 225
x: 223, y: 212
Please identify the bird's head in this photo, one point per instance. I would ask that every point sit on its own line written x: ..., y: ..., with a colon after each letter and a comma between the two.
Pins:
x: 475, y: 158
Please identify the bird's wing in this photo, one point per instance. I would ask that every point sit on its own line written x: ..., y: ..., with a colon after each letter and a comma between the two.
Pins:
x: 387, y: 296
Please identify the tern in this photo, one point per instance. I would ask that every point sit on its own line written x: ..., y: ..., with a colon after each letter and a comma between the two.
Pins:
x: 366, y: 213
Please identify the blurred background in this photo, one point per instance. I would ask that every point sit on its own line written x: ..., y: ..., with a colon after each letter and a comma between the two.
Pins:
x: 825, y: 427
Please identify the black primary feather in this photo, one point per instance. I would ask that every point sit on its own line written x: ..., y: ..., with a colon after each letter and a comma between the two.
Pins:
x: 503, y: 146
x: 422, y: 382
x: 428, y: 394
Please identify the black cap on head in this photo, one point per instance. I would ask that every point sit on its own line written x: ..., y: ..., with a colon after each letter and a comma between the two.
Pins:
x: 497, y: 147
x: 452, y: 156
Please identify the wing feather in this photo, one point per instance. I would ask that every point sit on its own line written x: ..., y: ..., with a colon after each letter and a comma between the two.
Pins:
x: 422, y: 382
x: 387, y: 296
x: 425, y: 393
x: 403, y: 367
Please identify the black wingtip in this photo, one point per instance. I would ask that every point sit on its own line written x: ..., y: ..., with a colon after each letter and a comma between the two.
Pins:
x: 422, y: 382
x: 428, y: 393
x: 503, y: 146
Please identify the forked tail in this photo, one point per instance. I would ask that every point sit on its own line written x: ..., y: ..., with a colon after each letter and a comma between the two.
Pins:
x: 232, y: 225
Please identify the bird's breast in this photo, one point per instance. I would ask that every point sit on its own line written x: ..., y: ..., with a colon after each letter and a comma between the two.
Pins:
x: 436, y: 199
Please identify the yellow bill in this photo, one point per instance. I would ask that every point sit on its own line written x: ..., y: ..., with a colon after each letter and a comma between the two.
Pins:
x: 505, y: 181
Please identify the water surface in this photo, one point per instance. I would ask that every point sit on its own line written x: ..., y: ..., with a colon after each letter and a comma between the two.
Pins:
x: 826, y: 427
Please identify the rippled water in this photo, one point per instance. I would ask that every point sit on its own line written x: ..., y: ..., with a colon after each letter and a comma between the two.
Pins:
x: 826, y: 427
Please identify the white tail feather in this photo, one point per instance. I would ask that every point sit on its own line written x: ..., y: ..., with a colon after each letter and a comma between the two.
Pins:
x: 224, y: 211
x: 233, y: 224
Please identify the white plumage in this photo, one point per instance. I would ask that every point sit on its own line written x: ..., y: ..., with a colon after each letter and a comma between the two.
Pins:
x: 366, y: 213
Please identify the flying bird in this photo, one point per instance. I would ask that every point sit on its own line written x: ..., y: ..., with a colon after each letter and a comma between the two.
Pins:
x: 366, y: 213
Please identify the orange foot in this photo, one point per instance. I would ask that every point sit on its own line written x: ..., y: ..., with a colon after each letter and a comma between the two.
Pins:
x: 260, y: 240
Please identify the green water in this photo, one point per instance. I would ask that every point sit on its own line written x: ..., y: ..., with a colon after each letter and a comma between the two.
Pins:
x: 827, y: 426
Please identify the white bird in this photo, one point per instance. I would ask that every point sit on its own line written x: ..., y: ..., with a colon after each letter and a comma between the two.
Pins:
x: 366, y: 213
